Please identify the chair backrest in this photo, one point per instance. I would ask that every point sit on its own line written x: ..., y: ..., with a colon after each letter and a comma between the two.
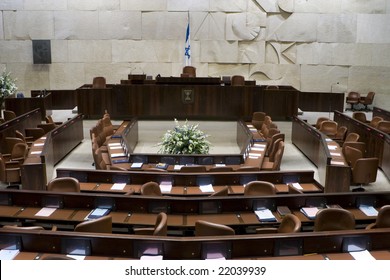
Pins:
x: 64, y: 184
x: 10, y: 142
x: 8, y: 175
x: 352, y: 137
x: 258, y: 119
x: 35, y: 132
x: 205, y: 228
x: 100, y: 225
x: 341, y: 132
x: 20, y: 135
x: 274, y: 148
x: 23, y: 227
x: 384, y: 126
x: 360, y: 116
x: 361, y: 146
x: 320, y: 120
x: 244, y: 168
x: 8, y: 115
x: 368, y: 99
x: 259, y: 188
x: 238, y: 80
x: 353, y: 96
x: 375, y: 120
x: 99, y: 82
x: 151, y: 188
x: 19, y: 152
x: 221, y: 169
x: 161, y: 225
x: 383, y: 218
x: 328, y: 127
x: 334, y: 219
x: 365, y: 170
x: 351, y: 155
x: 278, y: 156
x: 222, y: 192
x: 193, y: 169
x: 290, y: 223
x: 189, y: 71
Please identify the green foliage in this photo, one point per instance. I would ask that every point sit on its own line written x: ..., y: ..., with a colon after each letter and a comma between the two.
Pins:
x: 185, y: 139
x: 7, y: 86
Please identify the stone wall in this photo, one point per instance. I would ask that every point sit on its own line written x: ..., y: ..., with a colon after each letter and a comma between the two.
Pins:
x: 313, y: 45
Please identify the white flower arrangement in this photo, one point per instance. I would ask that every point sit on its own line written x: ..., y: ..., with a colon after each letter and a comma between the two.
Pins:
x: 7, y: 86
x: 185, y: 139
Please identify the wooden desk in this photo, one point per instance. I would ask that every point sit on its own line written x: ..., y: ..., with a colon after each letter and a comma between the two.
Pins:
x: 27, y: 104
x: 326, y: 154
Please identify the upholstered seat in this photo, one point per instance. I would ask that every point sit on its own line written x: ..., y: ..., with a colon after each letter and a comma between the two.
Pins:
x: 205, y: 228
x: 151, y: 188
x: 319, y: 121
x: 238, y: 80
x: 8, y: 115
x: 329, y: 128
x: 160, y: 227
x: 189, y: 71
x: 360, y: 116
x: 334, y: 219
x: 365, y: 171
x: 100, y: 225
x: 277, y: 160
x: 99, y: 82
x: 193, y: 169
x: 221, y: 169
x: 361, y: 146
x: 382, y: 219
x: 375, y: 120
x: 384, y: 126
x: 353, y: 98
x: 259, y: 188
x: 290, y: 223
x: 352, y: 137
x: 63, y: 184
x: 367, y: 100
x: 9, y: 173
x: 258, y: 119
x: 351, y: 155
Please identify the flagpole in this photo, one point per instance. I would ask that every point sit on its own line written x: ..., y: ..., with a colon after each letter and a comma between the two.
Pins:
x: 187, y: 47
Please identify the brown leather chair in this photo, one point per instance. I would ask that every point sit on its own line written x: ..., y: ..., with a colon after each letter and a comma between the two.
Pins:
x: 189, y: 71
x: 341, y: 133
x: 365, y: 171
x: 290, y: 223
x: 275, y: 164
x: 330, y: 219
x: 247, y: 168
x: 151, y: 188
x: 384, y: 126
x: 99, y: 82
x: 193, y: 169
x: 10, y: 142
x: 47, y: 127
x: 329, y: 128
x: 360, y: 116
x: 351, y: 155
x: 24, y: 228
x: 353, y: 98
x: 205, y: 228
x: 19, y: 152
x: 100, y: 225
x: 258, y: 119
x: 361, y: 146
x: 367, y: 100
x: 238, y: 80
x: 383, y: 218
x: 259, y: 188
x: 25, y: 139
x: 49, y: 119
x: 34, y: 133
x: 160, y: 227
x: 273, y: 149
x: 221, y: 169
x: 319, y: 121
x: 9, y: 173
x: 352, y: 137
x: 8, y: 115
x: 63, y: 184
x: 222, y: 192
x: 272, y: 145
x: 375, y: 120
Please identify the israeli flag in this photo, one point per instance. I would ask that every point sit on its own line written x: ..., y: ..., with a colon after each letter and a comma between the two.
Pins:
x: 187, y: 48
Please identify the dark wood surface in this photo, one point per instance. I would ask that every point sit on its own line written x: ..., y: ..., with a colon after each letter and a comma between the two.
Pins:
x: 61, y: 99
x: 27, y: 104
x: 380, y: 112
x: 321, y: 101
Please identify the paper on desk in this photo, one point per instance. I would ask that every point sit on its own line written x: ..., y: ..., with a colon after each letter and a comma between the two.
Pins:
x: 257, y: 145
x: 206, y: 188
x: 149, y: 257
x: 332, y: 147
x: 118, y: 155
x: 336, y: 162
x: 77, y: 257
x: 118, y: 186
x: 8, y: 254
x: 257, y: 149
x: 45, y: 212
x: 362, y: 255
x: 38, y: 144
x: 297, y: 186
x: 215, y: 256
x: 220, y: 164
x: 177, y: 167
x: 166, y: 186
x: 114, y: 144
x: 115, y: 147
x: 368, y: 210
x: 36, y: 152
x: 335, y: 154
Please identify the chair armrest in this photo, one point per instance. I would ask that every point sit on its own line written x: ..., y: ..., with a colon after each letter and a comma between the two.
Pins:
x: 144, y: 231
x: 266, y: 230
x: 371, y: 226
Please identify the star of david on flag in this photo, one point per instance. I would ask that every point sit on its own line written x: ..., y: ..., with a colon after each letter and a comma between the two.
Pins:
x: 187, y: 48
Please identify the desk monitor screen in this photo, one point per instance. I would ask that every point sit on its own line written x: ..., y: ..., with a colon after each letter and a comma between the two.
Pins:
x: 150, y: 248
x: 166, y: 178
x: 210, y: 207
x: 319, y: 202
x: 121, y: 178
x: 105, y: 202
x: 139, y: 158
x: 216, y: 250
x: 291, y: 178
x: 157, y: 206
x: 53, y: 201
x: 356, y: 243
x: 206, y: 160
x: 290, y: 247
x: 233, y: 160
x: 76, y: 246
x: 365, y: 200
x: 183, y: 160
x: 10, y: 242
x: 168, y: 160
x: 81, y: 176
x: 246, y: 178
x: 203, y: 180
x: 5, y: 199
x: 262, y: 203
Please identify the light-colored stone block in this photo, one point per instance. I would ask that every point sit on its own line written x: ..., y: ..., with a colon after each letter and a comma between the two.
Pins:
x: 280, y: 53
x: 228, y: 5
x: 337, y: 28
x: 11, y: 5
x: 46, y: 5
x: 16, y: 51
x: 273, y: 74
x: 351, y: 54
x: 269, y: 6
x: 120, y: 25
x: 164, y: 26
x: 219, y: 70
x: 89, y: 51
x: 76, y: 25
x: 207, y: 26
x: 380, y: 54
x: 1, y: 27
x: 59, y: 51
x: 316, y: 6
x: 296, y: 28
x: 136, y: 5
x: 188, y: 5
x: 363, y: 7
x: 219, y: 51
x: 373, y: 28
x: 67, y: 75
x: 251, y: 52
x: 244, y: 26
x: 40, y: 25
x: 322, y: 78
x: 93, y: 5
x: 112, y: 72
